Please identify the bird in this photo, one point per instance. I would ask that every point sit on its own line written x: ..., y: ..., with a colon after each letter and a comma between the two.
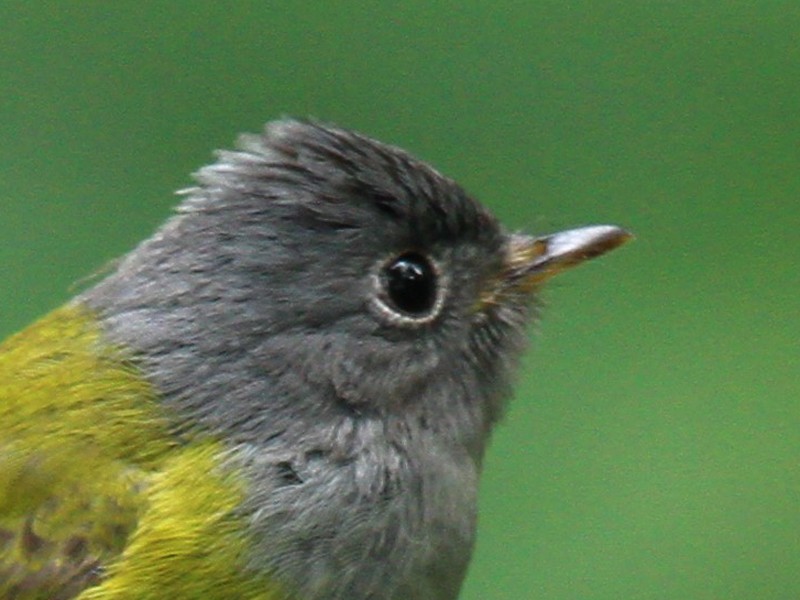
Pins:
x: 285, y: 393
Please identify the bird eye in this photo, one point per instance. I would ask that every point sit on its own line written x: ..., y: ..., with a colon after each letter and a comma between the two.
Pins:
x: 409, y: 284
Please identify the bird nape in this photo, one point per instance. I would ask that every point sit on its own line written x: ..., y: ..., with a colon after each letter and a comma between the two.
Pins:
x: 285, y: 392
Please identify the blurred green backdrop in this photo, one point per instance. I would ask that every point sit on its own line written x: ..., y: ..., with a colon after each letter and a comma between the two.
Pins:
x: 653, y: 448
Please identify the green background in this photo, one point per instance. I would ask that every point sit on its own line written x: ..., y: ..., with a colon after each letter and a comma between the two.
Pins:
x: 653, y: 448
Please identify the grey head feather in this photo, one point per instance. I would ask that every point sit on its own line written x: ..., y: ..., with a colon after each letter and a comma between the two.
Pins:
x: 253, y: 311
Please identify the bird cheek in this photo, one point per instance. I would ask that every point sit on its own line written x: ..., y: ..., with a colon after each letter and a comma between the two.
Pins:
x: 367, y: 383
x: 352, y: 380
x: 347, y: 390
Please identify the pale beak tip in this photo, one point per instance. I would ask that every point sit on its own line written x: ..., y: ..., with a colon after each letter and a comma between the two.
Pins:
x: 538, y: 259
x: 586, y: 242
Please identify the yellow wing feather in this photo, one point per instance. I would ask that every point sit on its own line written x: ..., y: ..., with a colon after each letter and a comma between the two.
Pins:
x: 97, y: 499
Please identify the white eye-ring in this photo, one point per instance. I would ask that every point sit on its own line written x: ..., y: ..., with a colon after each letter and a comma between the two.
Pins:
x: 409, y: 289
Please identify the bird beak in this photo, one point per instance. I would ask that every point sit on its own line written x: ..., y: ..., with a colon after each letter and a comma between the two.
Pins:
x: 531, y: 261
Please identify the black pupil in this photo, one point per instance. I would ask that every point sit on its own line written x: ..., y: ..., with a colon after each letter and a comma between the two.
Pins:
x: 411, y: 284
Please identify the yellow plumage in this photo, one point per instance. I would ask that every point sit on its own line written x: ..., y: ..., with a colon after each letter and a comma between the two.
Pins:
x: 97, y: 499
